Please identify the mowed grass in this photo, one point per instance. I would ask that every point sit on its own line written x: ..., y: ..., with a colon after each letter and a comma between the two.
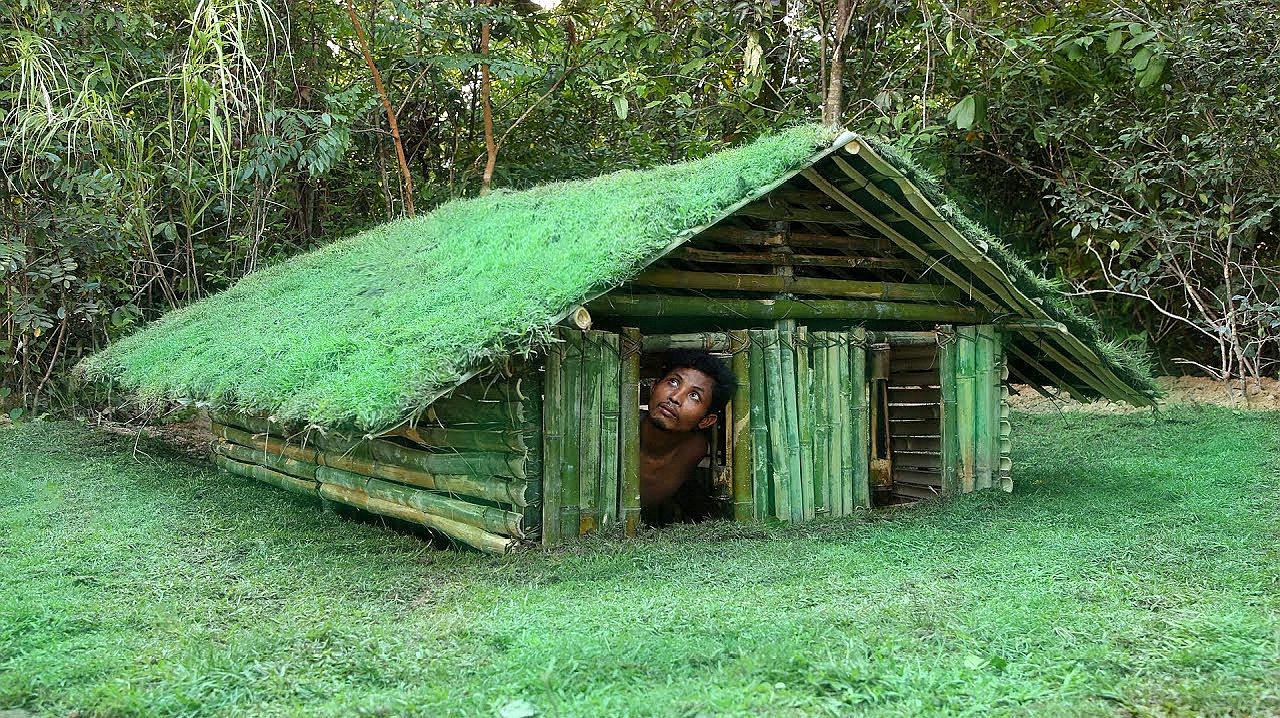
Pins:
x: 1134, y: 571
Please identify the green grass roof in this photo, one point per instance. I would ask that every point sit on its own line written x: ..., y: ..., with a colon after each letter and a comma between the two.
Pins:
x: 369, y: 329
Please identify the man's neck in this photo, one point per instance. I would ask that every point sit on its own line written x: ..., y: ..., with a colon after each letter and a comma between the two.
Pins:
x: 656, y: 441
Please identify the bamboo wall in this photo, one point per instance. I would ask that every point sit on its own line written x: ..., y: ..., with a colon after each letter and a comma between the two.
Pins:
x: 470, y: 468
x: 808, y: 422
x: 975, y: 418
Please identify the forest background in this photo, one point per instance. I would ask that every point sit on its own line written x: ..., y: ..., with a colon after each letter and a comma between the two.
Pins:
x: 156, y: 152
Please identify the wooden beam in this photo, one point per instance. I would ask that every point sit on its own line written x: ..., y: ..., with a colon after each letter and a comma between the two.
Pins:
x: 787, y: 259
x: 657, y: 305
x: 761, y: 210
x: 768, y: 238
x: 774, y: 284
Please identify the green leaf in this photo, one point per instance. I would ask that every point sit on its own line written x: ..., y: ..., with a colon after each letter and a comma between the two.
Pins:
x: 5, y: 392
x: 1114, y: 41
x: 620, y: 106
x: 15, y: 413
x: 964, y: 112
x: 1075, y: 231
x: 1139, y: 40
x: 1151, y: 75
x: 1139, y: 61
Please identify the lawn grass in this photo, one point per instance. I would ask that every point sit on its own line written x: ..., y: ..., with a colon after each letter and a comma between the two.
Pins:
x: 1134, y: 571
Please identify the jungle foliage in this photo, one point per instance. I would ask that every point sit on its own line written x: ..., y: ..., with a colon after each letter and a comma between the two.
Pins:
x: 154, y: 153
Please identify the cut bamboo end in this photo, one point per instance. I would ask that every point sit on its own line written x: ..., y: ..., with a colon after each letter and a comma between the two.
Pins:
x: 580, y: 317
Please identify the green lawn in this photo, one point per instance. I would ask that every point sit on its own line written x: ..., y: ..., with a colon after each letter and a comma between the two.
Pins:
x: 1134, y: 571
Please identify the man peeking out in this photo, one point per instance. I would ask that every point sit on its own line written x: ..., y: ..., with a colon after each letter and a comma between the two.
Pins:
x: 690, y: 397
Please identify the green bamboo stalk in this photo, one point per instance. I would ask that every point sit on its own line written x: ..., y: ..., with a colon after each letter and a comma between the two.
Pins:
x: 553, y: 417
x: 790, y: 403
x: 740, y: 432
x: 986, y: 408
x: 262, y: 443
x: 778, y: 284
x: 805, y: 421
x: 705, y: 341
x: 591, y: 402
x: 265, y: 475
x: 629, y: 415
x: 610, y: 425
x: 465, y: 412
x: 464, y: 439
x: 775, y: 394
x: 857, y: 450
x: 657, y: 305
x: 570, y: 458
x: 948, y: 366
x: 275, y: 462
x: 489, y: 518
x: 841, y: 418
x: 821, y: 402
x: 760, y: 467
x: 455, y: 530
x: 966, y: 405
x: 339, y: 477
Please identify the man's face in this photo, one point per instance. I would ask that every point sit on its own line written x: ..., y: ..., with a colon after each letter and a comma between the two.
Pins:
x: 680, y: 401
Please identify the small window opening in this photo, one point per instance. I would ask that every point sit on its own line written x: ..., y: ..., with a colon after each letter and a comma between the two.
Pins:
x: 707, y: 492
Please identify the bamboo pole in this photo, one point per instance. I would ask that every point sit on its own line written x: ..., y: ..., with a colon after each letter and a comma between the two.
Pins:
x: 779, y: 448
x: 264, y: 444
x: 553, y: 418
x: 857, y: 452
x: 740, y: 436
x: 984, y: 395
x: 488, y: 518
x: 276, y: 462
x: 265, y: 475
x: 805, y: 421
x: 761, y: 474
x: 400, y: 467
x: 790, y: 402
x: 658, y: 305
x: 464, y: 412
x: 904, y: 339
x: 629, y: 410
x: 466, y: 439
x: 455, y: 530
x: 570, y: 458
x: 705, y: 341
x: 948, y: 366
x: 778, y: 284
x: 591, y: 402
x: 610, y: 425
x: 821, y: 400
x: 966, y: 405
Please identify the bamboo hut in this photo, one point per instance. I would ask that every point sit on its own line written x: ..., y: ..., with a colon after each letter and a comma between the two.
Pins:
x: 481, y: 370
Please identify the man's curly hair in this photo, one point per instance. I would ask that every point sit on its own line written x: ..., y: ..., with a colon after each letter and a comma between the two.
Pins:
x: 726, y: 382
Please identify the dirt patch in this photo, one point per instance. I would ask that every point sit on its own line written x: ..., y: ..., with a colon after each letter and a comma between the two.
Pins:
x: 1179, y: 390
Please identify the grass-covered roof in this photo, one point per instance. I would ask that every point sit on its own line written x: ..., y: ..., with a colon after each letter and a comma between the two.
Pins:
x: 370, y: 329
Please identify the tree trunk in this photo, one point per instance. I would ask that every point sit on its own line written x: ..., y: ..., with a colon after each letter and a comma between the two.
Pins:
x: 386, y: 103
x: 834, y: 99
x: 490, y: 147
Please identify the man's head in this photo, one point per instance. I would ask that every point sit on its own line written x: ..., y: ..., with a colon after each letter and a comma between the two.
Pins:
x: 692, y: 393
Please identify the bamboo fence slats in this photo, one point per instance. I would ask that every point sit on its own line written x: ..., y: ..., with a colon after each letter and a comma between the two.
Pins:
x: 740, y: 436
x: 458, y: 531
x: 572, y: 368
x: 610, y: 424
x: 805, y: 421
x: 590, y: 402
x: 553, y: 429
x: 779, y: 433
x: 947, y: 436
x: 629, y: 415
x: 762, y: 476
x: 262, y: 473
x: 819, y: 400
x: 856, y: 454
